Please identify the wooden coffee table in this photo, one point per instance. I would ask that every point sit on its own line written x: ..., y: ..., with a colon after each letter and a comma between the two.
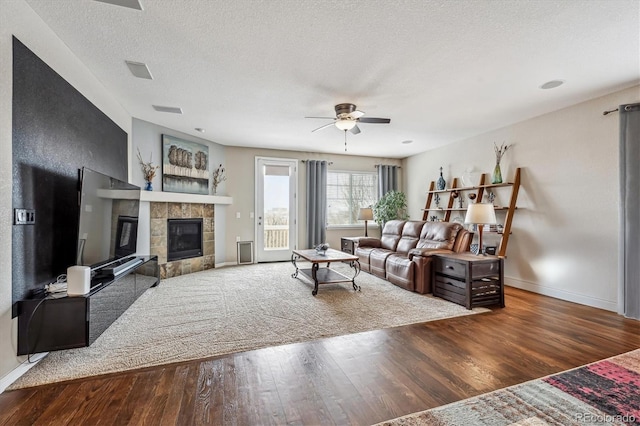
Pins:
x: 325, y: 275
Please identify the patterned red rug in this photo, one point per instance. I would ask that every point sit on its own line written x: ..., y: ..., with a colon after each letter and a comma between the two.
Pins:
x: 605, y: 392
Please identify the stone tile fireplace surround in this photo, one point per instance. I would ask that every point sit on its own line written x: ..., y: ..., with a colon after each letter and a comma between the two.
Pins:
x: 160, y: 212
x: 157, y: 207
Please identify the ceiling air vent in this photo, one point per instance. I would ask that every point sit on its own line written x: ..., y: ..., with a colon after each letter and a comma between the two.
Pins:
x: 131, y: 4
x: 139, y: 70
x: 174, y: 110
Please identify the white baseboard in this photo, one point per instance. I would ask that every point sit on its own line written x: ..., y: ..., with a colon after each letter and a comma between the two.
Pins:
x: 562, y: 294
x: 14, y: 375
x: 223, y: 264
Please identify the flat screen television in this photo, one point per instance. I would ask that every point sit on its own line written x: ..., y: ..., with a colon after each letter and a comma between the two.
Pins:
x: 108, y: 223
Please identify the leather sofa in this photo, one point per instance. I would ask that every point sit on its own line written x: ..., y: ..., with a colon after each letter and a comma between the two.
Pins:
x: 403, y: 253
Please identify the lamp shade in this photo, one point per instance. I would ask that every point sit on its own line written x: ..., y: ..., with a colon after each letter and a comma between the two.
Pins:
x: 365, y: 214
x: 345, y: 124
x: 480, y: 213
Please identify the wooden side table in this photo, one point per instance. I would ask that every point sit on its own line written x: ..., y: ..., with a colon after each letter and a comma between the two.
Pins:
x: 469, y: 280
x: 349, y: 244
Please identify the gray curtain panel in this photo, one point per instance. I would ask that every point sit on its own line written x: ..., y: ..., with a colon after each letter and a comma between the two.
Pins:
x: 387, y: 179
x: 629, y: 287
x: 316, y: 202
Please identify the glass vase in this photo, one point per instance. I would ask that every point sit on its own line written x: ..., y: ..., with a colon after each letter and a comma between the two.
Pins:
x: 497, y: 174
x: 148, y: 186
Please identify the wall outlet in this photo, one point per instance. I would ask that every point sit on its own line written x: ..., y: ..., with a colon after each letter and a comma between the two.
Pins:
x: 24, y: 216
x: 237, y: 215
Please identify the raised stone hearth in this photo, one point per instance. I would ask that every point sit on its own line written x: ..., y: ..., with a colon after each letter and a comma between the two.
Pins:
x: 160, y: 212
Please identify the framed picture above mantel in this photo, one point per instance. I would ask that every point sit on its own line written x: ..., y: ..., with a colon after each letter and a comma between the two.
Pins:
x: 185, y: 166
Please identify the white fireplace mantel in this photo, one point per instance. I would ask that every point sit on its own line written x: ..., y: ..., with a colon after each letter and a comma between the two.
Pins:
x: 178, y: 197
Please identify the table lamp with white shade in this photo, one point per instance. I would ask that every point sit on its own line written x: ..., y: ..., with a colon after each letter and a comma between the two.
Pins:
x: 366, y: 214
x: 480, y: 214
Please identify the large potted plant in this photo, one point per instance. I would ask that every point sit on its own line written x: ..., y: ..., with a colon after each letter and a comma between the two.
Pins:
x: 392, y: 205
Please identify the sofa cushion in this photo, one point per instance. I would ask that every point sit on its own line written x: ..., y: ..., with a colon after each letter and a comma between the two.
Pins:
x: 377, y: 261
x: 438, y: 235
x: 364, y: 253
x: 401, y: 271
x: 391, y: 234
x: 410, y: 236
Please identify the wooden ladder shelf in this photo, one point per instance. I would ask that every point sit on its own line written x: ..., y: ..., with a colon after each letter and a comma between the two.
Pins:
x: 479, y: 192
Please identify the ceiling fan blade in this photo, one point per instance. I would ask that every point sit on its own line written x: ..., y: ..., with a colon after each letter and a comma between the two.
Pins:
x: 326, y: 118
x: 322, y: 127
x: 355, y: 130
x: 356, y: 114
x: 375, y: 120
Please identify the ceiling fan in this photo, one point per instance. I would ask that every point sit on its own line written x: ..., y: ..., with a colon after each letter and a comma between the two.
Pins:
x: 347, y: 118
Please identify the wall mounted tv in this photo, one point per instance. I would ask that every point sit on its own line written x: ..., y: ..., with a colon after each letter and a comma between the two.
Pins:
x: 108, y: 223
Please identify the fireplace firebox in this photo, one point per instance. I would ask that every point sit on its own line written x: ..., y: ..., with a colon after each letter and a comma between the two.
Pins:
x: 184, y: 238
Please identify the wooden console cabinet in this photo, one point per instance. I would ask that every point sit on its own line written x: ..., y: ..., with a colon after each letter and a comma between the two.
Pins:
x: 468, y: 279
x: 54, y: 323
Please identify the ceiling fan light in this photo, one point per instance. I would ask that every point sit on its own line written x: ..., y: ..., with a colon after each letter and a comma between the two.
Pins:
x: 345, y: 124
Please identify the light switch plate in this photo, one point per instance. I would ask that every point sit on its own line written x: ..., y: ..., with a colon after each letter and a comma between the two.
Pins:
x: 24, y: 216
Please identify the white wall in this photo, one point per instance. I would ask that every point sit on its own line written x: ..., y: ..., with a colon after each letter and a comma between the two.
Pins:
x: 17, y: 18
x: 147, y: 137
x: 241, y: 186
x: 565, y: 230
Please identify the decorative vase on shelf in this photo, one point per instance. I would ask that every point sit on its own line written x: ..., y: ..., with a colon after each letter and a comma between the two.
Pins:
x: 440, y: 184
x: 148, y: 186
x: 497, y: 174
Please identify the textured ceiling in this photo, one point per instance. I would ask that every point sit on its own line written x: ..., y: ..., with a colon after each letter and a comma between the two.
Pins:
x: 250, y: 71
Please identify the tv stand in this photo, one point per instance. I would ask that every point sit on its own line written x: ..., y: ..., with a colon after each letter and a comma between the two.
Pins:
x: 55, y: 322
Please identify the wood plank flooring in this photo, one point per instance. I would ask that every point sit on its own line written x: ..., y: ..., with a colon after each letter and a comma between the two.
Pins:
x: 357, y: 379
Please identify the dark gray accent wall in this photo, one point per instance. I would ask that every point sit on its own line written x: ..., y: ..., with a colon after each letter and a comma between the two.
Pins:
x: 56, y: 131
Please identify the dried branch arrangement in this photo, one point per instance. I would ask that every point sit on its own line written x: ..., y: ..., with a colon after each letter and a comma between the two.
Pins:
x: 148, y: 169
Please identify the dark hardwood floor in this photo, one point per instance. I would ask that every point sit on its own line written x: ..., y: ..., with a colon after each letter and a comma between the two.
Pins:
x: 356, y: 379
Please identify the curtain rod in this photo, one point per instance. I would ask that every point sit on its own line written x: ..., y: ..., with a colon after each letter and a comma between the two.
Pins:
x: 329, y: 163
x: 626, y: 108
x: 378, y: 165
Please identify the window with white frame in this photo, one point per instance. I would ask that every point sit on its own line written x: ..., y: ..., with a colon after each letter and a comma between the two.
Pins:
x: 347, y: 192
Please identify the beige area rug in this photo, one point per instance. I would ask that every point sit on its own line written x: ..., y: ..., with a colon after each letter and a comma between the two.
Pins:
x: 235, y: 309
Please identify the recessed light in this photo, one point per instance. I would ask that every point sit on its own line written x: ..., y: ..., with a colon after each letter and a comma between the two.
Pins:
x: 174, y: 110
x: 552, y: 84
x: 131, y: 4
x: 407, y: 142
x: 139, y: 69
x: 200, y: 129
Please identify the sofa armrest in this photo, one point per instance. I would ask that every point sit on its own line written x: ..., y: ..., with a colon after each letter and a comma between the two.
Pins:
x: 426, y: 252
x: 422, y: 258
x: 369, y: 242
